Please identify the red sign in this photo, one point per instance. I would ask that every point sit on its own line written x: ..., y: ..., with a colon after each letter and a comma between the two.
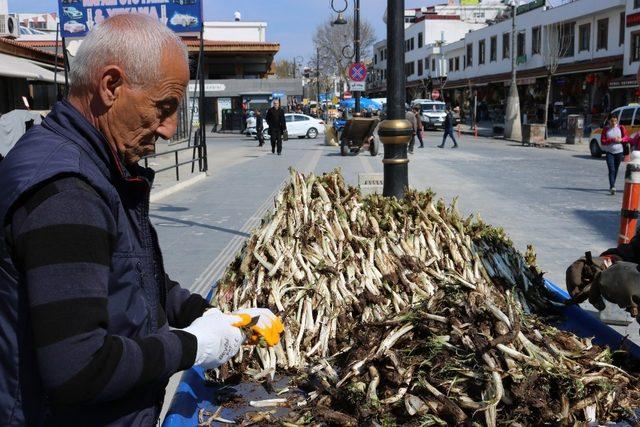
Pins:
x: 357, y: 72
x: 435, y: 94
x: 347, y: 95
x: 633, y: 19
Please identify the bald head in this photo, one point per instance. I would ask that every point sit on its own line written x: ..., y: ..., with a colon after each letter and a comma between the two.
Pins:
x: 136, y: 43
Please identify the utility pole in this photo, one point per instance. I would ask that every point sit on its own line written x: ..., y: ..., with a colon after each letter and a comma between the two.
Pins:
x: 513, y: 127
x: 318, y: 77
x: 356, y: 46
x: 395, y: 132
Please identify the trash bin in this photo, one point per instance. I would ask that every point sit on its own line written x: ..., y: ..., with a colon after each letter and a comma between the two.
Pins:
x: 575, y: 128
x: 533, y: 134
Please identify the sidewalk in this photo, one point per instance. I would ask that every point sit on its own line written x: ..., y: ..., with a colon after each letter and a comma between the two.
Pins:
x: 485, y: 130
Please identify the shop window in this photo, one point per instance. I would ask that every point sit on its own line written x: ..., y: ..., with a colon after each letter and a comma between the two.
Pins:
x: 584, y: 37
x: 493, y: 49
x: 469, y: 55
x: 506, y: 43
x: 481, y: 51
x: 627, y: 116
x: 536, y: 40
x: 635, y: 47
x: 567, y: 36
x: 623, y: 27
x: 420, y: 67
x: 420, y: 40
x: 603, y: 33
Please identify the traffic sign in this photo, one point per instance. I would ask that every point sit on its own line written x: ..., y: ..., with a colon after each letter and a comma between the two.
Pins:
x: 347, y: 95
x: 357, y: 72
x: 435, y: 94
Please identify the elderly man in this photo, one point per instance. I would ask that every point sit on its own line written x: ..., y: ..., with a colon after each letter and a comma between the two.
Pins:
x: 91, y: 325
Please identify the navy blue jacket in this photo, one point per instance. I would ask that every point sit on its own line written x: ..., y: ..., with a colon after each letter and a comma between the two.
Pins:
x: 85, y: 303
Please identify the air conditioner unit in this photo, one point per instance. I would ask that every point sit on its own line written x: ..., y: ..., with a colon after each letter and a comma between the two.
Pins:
x: 9, y: 26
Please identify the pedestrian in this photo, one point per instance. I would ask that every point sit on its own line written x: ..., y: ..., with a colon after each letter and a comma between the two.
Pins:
x: 92, y: 325
x: 277, y: 126
x: 259, y: 128
x: 613, y: 136
x: 419, y: 125
x: 448, y: 129
x: 411, y: 116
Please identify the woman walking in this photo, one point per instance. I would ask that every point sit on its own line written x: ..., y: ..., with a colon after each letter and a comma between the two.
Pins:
x: 419, y: 125
x: 613, y: 136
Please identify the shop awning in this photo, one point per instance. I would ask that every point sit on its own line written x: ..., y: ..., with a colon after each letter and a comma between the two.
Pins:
x: 624, y: 82
x: 12, y: 66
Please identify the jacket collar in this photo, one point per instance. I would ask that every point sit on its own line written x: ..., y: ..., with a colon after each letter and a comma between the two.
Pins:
x: 67, y: 121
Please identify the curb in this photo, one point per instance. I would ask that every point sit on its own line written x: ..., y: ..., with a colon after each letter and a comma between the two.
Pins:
x: 175, y: 188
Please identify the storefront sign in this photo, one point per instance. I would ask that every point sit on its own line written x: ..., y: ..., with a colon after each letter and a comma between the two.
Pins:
x: 633, y: 19
x: 278, y: 95
x: 624, y: 83
x: 208, y: 87
x: 522, y: 82
x: 78, y: 17
x: 530, y: 6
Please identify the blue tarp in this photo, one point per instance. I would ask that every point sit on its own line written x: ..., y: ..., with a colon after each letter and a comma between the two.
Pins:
x: 193, y: 393
x: 365, y: 103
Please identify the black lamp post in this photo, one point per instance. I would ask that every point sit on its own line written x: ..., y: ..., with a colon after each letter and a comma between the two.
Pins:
x: 396, y: 131
x: 356, y: 38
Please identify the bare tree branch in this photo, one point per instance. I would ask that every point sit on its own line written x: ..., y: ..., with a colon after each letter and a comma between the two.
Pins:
x: 331, y: 40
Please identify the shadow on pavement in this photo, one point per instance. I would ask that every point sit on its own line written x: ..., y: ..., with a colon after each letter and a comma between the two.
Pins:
x: 197, y: 224
x: 169, y: 208
x: 587, y: 157
x: 605, y: 223
x: 582, y: 190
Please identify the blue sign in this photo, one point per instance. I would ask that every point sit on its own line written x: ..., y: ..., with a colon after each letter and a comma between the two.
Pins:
x: 278, y: 95
x: 78, y: 17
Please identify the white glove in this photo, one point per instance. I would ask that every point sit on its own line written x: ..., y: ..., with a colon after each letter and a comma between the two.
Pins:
x: 218, y: 339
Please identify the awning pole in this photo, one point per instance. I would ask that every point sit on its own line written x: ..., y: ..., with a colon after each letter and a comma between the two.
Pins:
x: 55, y: 70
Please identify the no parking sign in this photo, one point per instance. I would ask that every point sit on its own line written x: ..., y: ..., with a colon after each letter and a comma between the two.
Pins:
x: 357, y: 73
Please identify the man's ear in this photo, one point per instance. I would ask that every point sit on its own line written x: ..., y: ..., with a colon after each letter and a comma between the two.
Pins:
x: 111, y: 82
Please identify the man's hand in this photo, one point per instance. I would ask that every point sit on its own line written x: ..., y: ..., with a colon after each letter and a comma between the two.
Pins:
x: 619, y: 284
x: 218, y: 339
x: 582, y: 273
x: 262, y: 324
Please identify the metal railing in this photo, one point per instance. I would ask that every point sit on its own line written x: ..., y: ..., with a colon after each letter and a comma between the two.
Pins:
x: 199, y: 155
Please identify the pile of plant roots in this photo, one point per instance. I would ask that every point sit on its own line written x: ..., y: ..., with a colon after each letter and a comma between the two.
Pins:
x: 404, y: 312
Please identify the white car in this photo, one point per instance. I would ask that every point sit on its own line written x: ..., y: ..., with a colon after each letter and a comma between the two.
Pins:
x: 184, y: 20
x: 74, y: 27
x: 628, y: 116
x: 299, y: 125
x: 432, y: 113
x: 72, y: 12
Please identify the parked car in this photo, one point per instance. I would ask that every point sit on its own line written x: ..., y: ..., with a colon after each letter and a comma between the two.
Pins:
x: 72, y: 12
x: 184, y: 20
x: 432, y: 113
x: 298, y: 125
x: 74, y: 27
x: 628, y: 116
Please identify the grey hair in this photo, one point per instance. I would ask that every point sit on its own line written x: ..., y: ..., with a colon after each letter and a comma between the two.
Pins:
x: 134, y: 42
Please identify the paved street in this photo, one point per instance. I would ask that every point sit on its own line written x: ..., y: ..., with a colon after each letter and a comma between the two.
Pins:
x: 555, y: 199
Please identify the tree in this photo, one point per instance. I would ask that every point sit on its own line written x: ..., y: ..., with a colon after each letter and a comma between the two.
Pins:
x: 558, y: 42
x: 334, y: 40
x: 284, y: 69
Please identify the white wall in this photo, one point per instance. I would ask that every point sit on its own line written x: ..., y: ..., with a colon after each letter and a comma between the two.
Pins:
x: 630, y: 68
x: 580, y: 11
x: 235, y: 31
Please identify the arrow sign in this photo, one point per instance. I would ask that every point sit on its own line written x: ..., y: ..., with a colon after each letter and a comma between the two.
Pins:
x: 357, y: 72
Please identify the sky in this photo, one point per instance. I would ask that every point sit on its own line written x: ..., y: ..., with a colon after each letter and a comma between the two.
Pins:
x: 289, y: 22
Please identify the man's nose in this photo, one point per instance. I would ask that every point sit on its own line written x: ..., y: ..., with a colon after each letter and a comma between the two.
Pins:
x: 168, y: 127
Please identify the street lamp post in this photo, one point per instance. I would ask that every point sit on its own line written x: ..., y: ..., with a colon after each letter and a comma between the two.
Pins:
x: 356, y: 40
x: 395, y: 132
x: 513, y: 127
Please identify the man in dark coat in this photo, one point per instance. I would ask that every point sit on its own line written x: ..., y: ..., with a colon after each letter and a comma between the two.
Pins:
x: 259, y: 128
x: 277, y: 126
x: 91, y: 325
x: 448, y: 129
